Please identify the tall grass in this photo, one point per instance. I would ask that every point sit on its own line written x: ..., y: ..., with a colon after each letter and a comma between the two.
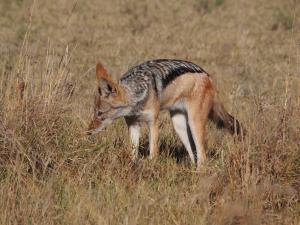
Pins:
x: 49, y: 169
x: 51, y: 173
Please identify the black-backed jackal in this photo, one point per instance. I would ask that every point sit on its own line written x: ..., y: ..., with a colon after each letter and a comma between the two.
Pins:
x: 181, y: 87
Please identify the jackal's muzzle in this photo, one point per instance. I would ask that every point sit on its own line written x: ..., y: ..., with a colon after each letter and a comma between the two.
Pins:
x: 93, y: 127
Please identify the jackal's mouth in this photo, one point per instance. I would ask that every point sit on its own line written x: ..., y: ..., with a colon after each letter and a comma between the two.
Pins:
x: 94, y: 127
x: 94, y: 131
x: 97, y: 126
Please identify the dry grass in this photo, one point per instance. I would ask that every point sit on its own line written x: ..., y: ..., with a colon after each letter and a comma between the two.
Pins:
x: 51, y: 173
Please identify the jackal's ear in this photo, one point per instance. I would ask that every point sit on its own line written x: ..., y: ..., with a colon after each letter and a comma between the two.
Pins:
x: 101, y: 72
x: 107, y: 88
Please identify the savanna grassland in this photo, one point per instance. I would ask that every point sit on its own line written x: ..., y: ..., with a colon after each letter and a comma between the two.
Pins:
x: 52, y: 173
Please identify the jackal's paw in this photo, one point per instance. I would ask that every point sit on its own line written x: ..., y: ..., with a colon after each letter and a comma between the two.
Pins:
x: 153, y: 156
x: 153, y: 153
x: 202, y: 166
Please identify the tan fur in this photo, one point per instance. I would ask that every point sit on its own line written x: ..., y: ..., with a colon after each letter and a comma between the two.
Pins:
x: 199, y: 107
x: 120, y: 97
x: 197, y: 91
x: 181, y: 87
x: 190, y: 95
x: 153, y: 107
x: 101, y: 73
x: 94, y: 124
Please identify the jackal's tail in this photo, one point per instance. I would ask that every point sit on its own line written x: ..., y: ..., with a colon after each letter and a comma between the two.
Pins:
x: 223, y: 119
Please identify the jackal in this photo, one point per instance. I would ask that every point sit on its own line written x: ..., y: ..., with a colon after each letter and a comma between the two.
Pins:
x: 181, y: 87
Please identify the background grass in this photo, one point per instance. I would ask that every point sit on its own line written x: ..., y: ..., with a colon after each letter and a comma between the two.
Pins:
x: 51, y: 173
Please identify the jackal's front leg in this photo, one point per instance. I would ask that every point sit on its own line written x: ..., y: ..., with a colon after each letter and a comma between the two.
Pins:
x: 134, y: 133
x: 153, y: 138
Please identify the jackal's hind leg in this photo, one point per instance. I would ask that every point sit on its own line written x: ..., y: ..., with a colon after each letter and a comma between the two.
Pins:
x: 198, y: 110
x: 181, y: 127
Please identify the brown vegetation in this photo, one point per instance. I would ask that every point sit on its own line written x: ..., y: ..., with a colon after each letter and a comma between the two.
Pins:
x: 52, y: 173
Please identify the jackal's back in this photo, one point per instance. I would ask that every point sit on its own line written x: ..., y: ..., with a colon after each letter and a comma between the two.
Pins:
x: 155, y: 74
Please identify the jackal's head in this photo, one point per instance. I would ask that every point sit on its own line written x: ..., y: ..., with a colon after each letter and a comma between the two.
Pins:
x: 110, y: 101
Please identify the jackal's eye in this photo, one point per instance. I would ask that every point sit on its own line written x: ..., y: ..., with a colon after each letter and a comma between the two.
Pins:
x: 99, y: 113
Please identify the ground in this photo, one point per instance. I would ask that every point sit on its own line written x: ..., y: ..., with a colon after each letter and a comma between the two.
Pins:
x: 52, y: 173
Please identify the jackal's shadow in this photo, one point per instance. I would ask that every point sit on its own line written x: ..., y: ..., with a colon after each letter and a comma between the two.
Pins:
x: 176, y: 151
